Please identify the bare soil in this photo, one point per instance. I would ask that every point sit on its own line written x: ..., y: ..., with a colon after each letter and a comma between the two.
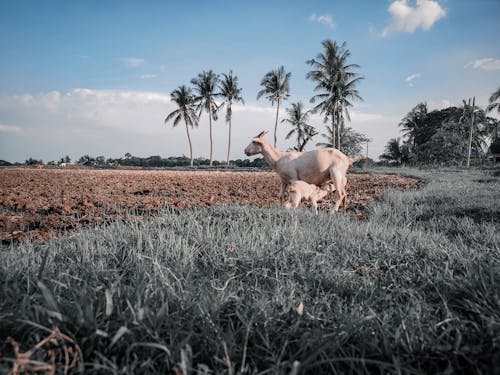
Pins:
x: 43, y: 203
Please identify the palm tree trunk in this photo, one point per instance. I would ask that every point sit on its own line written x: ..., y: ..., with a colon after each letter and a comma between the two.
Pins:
x: 276, y: 122
x: 333, y: 130
x: 470, y: 135
x: 338, y: 131
x: 211, y: 139
x: 190, y: 145
x: 229, y: 136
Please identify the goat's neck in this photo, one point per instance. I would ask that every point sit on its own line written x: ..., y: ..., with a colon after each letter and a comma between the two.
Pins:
x: 271, y: 154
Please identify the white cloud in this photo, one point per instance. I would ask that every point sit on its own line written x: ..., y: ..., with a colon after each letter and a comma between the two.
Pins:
x: 133, y: 62
x: 407, y: 18
x: 253, y: 108
x: 485, y: 64
x: 412, y: 78
x: 49, y: 100
x: 113, y: 122
x: 325, y: 19
x: 444, y: 103
x: 10, y: 129
x: 149, y: 76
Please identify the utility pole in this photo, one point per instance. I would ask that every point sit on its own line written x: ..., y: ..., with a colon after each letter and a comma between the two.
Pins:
x: 470, y: 134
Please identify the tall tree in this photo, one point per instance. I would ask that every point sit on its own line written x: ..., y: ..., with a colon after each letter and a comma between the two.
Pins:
x: 298, y: 119
x: 336, y: 84
x: 185, y: 111
x: 393, y: 151
x: 475, y: 121
x: 231, y: 93
x: 276, y: 85
x: 494, y: 101
x: 204, y: 86
x: 413, y: 124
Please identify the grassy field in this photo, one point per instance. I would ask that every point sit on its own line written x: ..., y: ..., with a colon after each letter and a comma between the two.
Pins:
x: 415, y: 288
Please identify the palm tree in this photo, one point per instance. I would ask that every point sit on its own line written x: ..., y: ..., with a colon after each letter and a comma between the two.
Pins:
x: 337, y: 86
x: 276, y: 85
x: 413, y: 122
x: 392, y: 151
x: 475, y: 120
x: 204, y: 86
x: 231, y: 93
x: 298, y: 119
x: 186, y: 111
x: 494, y: 101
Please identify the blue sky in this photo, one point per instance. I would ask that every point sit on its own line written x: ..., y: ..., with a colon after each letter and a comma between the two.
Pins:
x: 94, y: 77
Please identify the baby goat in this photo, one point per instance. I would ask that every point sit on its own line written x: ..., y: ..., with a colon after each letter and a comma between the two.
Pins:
x: 299, y: 190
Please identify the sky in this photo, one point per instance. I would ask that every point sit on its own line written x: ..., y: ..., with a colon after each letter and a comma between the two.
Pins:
x: 94, y: 77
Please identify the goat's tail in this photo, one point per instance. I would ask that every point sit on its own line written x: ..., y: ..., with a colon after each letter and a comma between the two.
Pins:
x: 355, y: 159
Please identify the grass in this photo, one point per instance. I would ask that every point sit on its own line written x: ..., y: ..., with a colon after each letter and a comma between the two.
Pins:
x: 415, y: 288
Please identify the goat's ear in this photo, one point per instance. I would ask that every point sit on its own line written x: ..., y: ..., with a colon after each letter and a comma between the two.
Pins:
x: 262, y: 133
x: 257, y: 140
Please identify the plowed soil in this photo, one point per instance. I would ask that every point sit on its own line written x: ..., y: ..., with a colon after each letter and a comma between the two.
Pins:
x: 43, y: 203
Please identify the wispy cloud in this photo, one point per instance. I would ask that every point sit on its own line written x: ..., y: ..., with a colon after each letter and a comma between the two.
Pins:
x: 149, y: 76
x: 412, y: 78
x: 324, y: 19
x: 484, y: 64
x: 408, y: 19
x: 10, y: 129
x: 252, y: 108
x: 132, y: 62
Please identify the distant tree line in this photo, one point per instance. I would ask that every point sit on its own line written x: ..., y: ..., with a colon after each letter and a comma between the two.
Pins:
x: 443, y: 136
x: 143, y: 162
x: 180, y: 161
x: 159, y: 162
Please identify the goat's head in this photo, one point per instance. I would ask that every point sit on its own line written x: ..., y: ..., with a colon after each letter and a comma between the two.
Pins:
x: 255, y: 147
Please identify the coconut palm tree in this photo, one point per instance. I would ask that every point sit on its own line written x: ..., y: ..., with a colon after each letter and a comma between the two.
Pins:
x: 231, y: 93
x: 276, y: 85
x: 298, y: 118
x: 475, y: 121
x: 337, y: 86
x: 204, y: 86
x: 413, y: 122
x: 494, y: 101
x: 392, y: 151
x: 186, y: 111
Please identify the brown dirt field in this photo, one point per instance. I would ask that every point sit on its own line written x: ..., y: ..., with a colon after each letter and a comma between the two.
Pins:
x: 42, y: 203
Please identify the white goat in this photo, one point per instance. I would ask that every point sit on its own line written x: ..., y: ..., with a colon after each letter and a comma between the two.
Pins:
x: 314, y: 167
x: 300, y: 190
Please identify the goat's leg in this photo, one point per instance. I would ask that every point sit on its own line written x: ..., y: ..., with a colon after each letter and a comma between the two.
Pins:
x: 344, y: 184
x: 293, y: 200
x: 284, y: 186
x: 314, y: 203
x: 337, y: 176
